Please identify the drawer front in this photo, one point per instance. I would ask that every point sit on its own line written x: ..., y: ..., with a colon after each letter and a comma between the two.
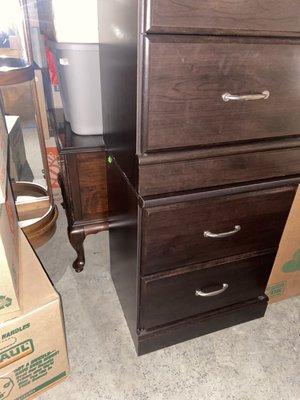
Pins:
x: 174, y: 297
x: 256, y: 17
x: 209, y: 229
x: 187, y: 79
x: 91, y: 169
x: 176, y: 176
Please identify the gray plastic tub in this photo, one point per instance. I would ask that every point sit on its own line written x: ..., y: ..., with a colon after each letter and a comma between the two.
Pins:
x: 79, y: 77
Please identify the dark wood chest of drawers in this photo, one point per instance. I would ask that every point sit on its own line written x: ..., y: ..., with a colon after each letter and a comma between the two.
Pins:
x: 202, y: 125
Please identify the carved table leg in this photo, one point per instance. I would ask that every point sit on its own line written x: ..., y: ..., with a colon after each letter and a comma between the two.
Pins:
x: 76, y: 237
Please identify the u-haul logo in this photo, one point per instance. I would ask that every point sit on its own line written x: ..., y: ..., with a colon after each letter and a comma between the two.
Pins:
x: 16, y: 352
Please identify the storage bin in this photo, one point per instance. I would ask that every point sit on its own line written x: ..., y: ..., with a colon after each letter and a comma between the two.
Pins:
x: 79, y: 77
x: 69, y: 21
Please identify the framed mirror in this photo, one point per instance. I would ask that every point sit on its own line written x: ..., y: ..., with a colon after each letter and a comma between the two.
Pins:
x: 28, y: 168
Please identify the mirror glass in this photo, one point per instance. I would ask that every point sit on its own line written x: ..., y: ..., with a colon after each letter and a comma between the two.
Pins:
x: 21, y: 94
x: 25, y: 157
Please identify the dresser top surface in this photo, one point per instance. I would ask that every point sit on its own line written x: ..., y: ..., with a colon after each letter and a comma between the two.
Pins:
x: 69, y: 142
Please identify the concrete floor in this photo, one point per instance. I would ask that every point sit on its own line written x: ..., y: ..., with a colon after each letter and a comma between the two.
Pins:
x: 33, y: 152
x: 253, y: 361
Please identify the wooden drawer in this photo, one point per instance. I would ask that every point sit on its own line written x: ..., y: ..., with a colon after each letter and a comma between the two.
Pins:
x: 182, y: 294
x: 171, y: 173
x: 178, y: 234
x: 202, y: 324
x: 186, y: 78
x: 88, y: 187
x: 255, y: 17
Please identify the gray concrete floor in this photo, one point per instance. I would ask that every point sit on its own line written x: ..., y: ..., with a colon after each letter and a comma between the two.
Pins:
x: 252, y: 361
x: 33, y: 152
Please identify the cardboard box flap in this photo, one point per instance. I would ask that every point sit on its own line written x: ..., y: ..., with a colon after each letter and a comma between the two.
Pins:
x: 3, y: 155
x: 35, y: 288
x: 284, y: 280
x: 9, y: 256
x: 41, y: 290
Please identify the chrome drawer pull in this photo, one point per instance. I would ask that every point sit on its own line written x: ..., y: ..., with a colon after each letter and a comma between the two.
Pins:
x: 246, y: 97
x: 237, y: 228
x: 210, y: 294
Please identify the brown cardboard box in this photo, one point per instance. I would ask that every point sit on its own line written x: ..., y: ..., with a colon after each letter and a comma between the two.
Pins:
x: 18, y: 100
x: 52, y: 157
x: 284, y: 281
x: 9, y: 256
x: 33, y: 353
x: 3, y: 154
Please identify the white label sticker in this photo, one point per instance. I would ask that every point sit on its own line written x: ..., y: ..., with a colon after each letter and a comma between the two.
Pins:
x: 64, y: 61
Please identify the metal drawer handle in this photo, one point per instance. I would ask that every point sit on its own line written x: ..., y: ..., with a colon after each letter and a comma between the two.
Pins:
x: 237, y: 228
x: 210, y: 294
x: 246, y: 97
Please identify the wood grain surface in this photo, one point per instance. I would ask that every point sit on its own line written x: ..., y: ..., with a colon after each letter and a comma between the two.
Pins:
x: 256, y: 17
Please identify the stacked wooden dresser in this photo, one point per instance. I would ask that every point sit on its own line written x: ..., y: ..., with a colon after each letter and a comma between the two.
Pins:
x: 202, y: 123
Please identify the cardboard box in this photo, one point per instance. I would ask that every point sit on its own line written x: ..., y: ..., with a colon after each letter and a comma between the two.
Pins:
x: 56, y: 97
x: 3, y: 154
x: 9, y: 256
x: 33, y: 354
x: 52, y: 158
x: 284, y: 281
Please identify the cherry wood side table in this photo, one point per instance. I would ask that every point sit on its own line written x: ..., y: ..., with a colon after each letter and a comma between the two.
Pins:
x: 82, y: 179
